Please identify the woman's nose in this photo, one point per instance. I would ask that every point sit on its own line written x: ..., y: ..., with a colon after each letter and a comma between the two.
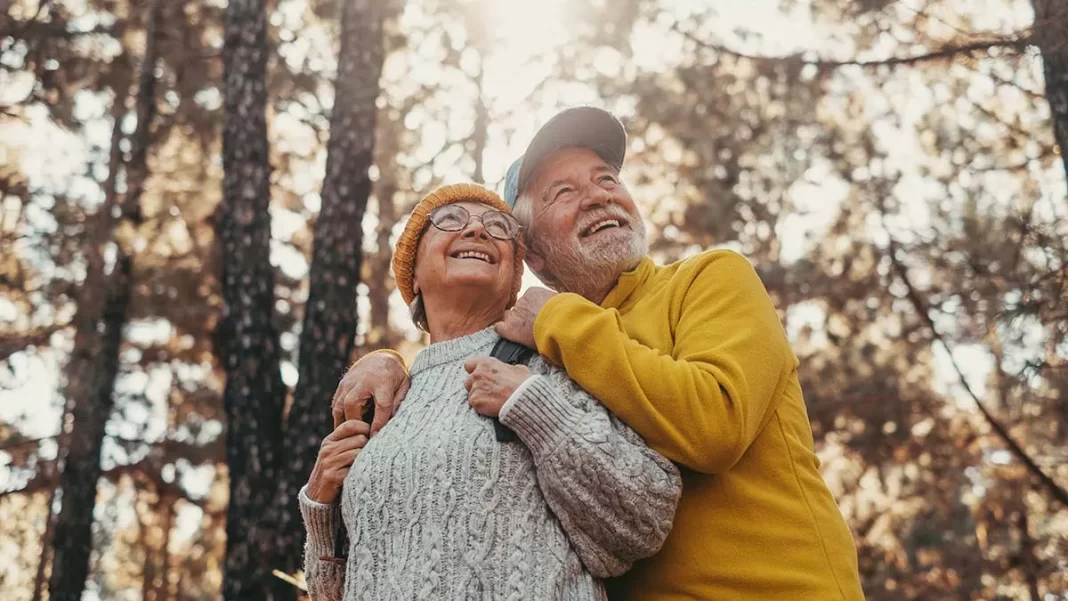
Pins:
x: 475, y: 229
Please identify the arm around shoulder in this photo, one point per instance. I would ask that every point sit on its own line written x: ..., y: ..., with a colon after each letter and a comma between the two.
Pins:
x: 702, y: 402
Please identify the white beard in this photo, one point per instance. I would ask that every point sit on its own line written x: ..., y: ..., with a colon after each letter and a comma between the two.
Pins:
x: 591, y: 269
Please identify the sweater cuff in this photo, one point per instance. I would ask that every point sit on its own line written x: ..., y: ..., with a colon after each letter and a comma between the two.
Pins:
x: 321, y: 521
x: 539, y: 415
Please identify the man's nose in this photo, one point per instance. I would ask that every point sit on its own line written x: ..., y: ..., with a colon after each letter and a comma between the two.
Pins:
x: 595, y: 197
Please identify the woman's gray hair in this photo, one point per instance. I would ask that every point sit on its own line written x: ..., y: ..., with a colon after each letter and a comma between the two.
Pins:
x: 418, y: 311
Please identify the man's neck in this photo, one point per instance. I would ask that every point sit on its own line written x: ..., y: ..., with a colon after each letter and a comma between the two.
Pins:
x: 591, y: 289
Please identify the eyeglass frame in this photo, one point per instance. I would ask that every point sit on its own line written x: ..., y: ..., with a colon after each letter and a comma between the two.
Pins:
x: 507, y: 217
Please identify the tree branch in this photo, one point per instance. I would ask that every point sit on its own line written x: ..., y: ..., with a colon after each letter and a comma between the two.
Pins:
x: 9, y: 345
x: 948, y: 51
x: 921, y: 309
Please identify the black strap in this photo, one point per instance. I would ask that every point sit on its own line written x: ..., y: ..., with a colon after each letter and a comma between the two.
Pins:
x: 511, y: 353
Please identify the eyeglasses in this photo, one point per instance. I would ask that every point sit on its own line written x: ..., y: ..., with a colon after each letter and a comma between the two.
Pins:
x: 454, y: 218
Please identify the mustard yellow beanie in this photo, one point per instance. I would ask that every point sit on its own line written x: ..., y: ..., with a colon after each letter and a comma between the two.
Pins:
x: 408, y: 243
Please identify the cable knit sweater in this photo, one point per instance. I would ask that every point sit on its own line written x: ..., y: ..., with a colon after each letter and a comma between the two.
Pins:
x: 436, y: 508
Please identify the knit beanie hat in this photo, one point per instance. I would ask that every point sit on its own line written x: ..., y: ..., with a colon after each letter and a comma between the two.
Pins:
x: 408, y: 243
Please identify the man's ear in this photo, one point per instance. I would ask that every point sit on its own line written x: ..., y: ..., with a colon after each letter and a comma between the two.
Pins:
x: 535, y: 261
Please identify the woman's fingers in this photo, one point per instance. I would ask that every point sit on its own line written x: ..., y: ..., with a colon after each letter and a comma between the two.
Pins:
x: 338, y: 465
x: 348, y: 429
x: 350, y: 443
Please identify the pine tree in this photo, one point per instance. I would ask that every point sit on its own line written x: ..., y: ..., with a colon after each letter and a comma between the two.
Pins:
x: 247, y: 341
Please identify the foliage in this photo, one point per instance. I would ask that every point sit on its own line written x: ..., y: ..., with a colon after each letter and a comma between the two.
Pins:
x: 891, y: 168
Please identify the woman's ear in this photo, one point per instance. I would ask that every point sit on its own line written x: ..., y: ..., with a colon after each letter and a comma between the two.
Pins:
x: 415, y: 285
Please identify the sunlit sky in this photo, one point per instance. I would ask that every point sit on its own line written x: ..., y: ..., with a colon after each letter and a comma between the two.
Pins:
x: 522, y: 32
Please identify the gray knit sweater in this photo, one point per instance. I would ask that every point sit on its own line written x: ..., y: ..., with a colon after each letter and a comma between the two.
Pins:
x: 436, y: 508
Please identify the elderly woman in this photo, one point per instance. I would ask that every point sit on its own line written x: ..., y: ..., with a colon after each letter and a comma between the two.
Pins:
x: 435, y: 506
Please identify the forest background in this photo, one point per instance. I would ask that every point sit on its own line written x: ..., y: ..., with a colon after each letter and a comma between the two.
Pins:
x: 198, y: 201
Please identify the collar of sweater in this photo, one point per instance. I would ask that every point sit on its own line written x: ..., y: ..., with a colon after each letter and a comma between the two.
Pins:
x: 453, y: 350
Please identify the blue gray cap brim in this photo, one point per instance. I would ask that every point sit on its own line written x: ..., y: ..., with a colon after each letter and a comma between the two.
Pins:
x: 579, y: 127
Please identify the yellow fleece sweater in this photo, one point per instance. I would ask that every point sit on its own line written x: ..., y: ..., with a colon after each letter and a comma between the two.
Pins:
x: 694, y: 358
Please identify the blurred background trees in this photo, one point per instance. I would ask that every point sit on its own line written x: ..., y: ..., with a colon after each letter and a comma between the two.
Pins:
x: 892, y: 168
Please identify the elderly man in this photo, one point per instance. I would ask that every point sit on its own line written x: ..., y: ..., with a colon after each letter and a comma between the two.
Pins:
x: 691, y: 355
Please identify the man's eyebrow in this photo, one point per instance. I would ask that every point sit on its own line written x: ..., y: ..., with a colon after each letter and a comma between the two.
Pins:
x: 552, y: 184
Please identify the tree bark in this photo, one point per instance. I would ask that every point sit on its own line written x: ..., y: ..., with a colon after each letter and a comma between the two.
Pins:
x: 94, y: 361
x: 1027, y: 552
x: 379, y: 285
x: 480, y: 132
x: 46, y: 542
x: 330, y: 318
x: 1051, y: 34
x: 247, y: 341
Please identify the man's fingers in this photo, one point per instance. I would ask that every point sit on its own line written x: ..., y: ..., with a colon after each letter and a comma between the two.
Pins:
x: 505, y: 330
x: 398, y: 398
x: 341, y: 400
x: 383, y: 397
x: 382, y: 415
x: 338, y: 410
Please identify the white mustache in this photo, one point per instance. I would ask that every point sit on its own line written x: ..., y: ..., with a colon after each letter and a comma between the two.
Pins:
x: 620, y: 216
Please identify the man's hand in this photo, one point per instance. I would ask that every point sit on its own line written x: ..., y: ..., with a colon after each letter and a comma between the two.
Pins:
x: 491, y: 382
x: 336, y: 454
x: 378, y: 377
x: 518, y: 324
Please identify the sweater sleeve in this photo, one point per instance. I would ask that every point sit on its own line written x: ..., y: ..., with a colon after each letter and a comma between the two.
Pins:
x: 702, y: 402
x: 325, y: 579
x: 614, y: 497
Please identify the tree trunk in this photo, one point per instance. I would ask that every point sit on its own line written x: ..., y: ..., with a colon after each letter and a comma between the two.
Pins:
x: 46, y: 542
x: 329, y: 328
x: 379, y: 287
x: 94, y: 361
x: 480, y: 132
x: 247, y: 341
x: 1051, y: 33
x: 1027, y: 553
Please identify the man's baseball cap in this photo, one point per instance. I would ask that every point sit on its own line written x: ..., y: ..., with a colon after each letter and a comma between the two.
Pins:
x: 576, y: 127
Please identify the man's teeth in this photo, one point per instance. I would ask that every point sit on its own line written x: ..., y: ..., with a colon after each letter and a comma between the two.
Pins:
x: 471, y: 254
x: 602, y: 225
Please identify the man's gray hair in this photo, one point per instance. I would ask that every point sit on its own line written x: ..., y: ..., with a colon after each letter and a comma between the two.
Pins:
x: 523, y: 211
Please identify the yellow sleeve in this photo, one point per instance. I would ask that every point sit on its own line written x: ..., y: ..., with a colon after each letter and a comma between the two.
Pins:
x: 388, y: 351
x: 700, y: 403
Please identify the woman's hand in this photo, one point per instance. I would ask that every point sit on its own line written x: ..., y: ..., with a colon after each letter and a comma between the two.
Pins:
x: 336, y: 454
x: 491, y: 382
